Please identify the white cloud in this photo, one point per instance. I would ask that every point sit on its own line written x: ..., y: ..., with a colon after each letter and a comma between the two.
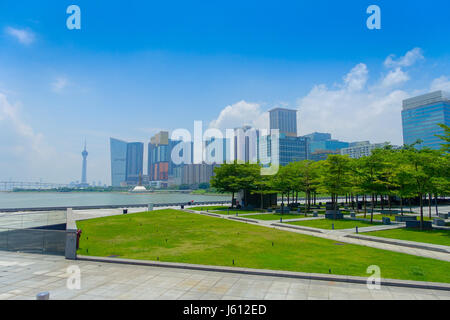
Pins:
x: 442, y: 83
x: 410, y: 58
x: 9, y: 114
x: 24, y: 36
x: 356, y: 79
x: 395, y: 77
x: 239, y: 114
x: 59, y: 84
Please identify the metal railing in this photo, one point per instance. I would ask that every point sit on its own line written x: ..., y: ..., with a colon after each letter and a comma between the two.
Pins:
x: 46, y: 220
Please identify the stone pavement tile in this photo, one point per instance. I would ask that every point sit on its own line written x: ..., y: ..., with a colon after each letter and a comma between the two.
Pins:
x: 233, y: 298
x: 279, y: 287
x: 441, y: 293
x: 172, y: 294
x: 22, y: 297
x: 237, y: 290
x: 425, y: 296
x: 275, y: 296
x: 254, y: 293
x: 87, y: 297
x: 403, y: 296
x: 297, y: 296
x: 372, y: 294
x: 5, y: 296
x: 220, y: 288
x: 208, y: 296
x: 187, y: 284
x: 443, y: 297
x: 190, y: 296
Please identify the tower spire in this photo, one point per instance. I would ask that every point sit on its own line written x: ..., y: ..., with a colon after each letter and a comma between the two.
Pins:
x: 84, y: 154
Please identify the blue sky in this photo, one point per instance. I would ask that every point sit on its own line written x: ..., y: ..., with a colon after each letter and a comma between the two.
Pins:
x: 136, y: 67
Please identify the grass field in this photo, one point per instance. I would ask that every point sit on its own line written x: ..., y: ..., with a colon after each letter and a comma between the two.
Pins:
x: 338, y: 224
x: 176, y: 236
x: 428, y: 236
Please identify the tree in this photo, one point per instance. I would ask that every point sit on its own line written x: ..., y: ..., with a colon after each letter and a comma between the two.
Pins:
x: 446, y: 137
x: 226, y: 179
x: 336, y: 176
x: 371, y: 168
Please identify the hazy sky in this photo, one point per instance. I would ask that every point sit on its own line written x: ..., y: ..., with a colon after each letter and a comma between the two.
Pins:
x: 137, y: 67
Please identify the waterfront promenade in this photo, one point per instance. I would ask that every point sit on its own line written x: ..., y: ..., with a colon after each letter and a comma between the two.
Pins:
x: 23, y: 275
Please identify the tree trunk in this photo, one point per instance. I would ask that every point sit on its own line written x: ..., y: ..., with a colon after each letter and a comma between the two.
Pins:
x: 401, y: 205
x: 232, y: 200
x: 373, y: 207
x: 382, y: 201
x: 357, y: 210
x: 410, y: 207
x: 429, y: 205
x: 421, y: 210
x: 389, y: 202
x: 435, y: 204
x: 365, y: 206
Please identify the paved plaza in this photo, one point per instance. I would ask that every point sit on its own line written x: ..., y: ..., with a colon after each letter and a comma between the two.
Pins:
x: 22, y: 276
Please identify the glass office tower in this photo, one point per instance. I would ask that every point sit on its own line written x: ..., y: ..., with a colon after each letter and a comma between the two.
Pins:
x: 421, y: 116
x: 285, y: 120
x: 135, y: 160
x: 118, y: 149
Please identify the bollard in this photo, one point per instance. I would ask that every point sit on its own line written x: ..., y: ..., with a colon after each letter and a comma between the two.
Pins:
x: 43, y: 296
x: 281, y: 219
x: 356, y: 229
x: 332, y: 226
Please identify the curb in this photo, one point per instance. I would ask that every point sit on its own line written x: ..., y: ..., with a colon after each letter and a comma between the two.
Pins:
x: 296, y: 227
x: 269, y: 273
x: 402, y: 244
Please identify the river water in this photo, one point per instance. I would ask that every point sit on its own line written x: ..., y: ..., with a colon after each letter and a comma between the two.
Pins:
x: 68, y: 199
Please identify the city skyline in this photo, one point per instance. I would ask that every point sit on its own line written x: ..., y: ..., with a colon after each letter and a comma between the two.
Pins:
x: 57, y: 86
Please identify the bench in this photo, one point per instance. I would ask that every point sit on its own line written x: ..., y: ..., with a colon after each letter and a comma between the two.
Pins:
x: 405, y: 218
x: 443, y: 215
x: 336, y: 215
x: 416, y: 225
x: 386, y: 220
x: 439, y: 222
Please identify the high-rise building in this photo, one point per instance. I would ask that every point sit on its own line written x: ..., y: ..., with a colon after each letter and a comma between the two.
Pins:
x: 323, y: 141
x: 421, y: 116
x: 118, y: 150
x: 291, y: 149
x: 319, y: 155
x: 285, y: 120
x: 84, y: 154
x: 160, y: 165
x: 194, y: 174
x: 361, y: 149
x: 126, y: 162
x: 135, y: 161
x: 318, y: 136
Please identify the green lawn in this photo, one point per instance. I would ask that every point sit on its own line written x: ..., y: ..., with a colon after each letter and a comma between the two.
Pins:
x: 428, y: 236
x: 176, y: 236
x: 338, y: 224
x: 276, y: 216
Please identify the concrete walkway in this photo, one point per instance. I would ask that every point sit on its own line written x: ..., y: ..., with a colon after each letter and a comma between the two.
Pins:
x: 22, y: 276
